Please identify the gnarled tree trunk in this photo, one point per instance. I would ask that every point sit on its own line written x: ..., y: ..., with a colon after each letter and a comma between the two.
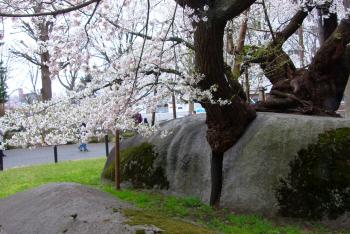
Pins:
x: 316, y: 90
x: 226, y: 123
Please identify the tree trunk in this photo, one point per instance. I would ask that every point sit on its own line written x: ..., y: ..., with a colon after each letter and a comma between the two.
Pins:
x: 326, y: 25
x: 346, y: 4
x: 2, y: 109
x: 174, y: 105
x: 216, y: 178
x: 317, y: 90
x: 190, y: 108
x: 153, y: 118
x: 247, y: 84
x: 226, y: 123
x: 46, y: 91
x: 324, y: 82
x: 240, y: 45
x: 301, y: 46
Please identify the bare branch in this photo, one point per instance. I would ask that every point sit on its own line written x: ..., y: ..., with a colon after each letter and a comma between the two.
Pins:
x: 54, y: 13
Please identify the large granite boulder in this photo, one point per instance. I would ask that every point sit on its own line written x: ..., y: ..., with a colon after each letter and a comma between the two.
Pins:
x: 252, y: 168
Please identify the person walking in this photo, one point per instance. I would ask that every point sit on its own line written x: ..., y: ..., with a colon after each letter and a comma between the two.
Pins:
x: 83, y: 139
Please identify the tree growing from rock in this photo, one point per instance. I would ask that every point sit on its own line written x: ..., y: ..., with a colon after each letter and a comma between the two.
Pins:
x: 141, y: 70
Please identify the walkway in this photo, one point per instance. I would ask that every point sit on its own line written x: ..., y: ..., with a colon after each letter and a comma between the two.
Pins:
x: 26, y: 157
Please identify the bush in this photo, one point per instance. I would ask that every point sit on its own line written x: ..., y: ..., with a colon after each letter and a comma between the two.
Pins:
x: 138, y: 167
x: 318, y: 184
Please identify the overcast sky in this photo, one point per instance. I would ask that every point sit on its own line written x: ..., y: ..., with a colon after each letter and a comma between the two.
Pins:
x: 18, y: 68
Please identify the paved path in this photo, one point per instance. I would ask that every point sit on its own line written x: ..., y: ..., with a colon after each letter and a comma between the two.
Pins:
x: 26, y: 157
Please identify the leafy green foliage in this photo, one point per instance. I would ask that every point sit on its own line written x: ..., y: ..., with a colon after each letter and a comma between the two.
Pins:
x: 138, y: 167
x: 318, y: 184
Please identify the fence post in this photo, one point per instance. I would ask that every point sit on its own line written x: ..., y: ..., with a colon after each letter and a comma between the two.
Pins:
x: 106, y: 143
x: 55, y: 153
x: 1, y: 160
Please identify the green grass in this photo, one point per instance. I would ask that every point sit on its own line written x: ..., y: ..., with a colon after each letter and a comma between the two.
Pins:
x: 166, y: 212
x: 85, y: 172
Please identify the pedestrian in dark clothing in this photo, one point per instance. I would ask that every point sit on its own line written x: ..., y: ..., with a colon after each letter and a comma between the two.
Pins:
x: 83, y: 139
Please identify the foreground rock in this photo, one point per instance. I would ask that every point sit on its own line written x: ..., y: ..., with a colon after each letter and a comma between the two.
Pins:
x: 252, y: 168
x: 62, y: 208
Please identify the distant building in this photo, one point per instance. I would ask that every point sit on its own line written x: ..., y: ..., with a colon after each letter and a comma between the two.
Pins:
x: 21, y: 99
x: 27, y: 98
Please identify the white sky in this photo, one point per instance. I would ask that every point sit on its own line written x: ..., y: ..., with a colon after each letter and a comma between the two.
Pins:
x: 18, y: 68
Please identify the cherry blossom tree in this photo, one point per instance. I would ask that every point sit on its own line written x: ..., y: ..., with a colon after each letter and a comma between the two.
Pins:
x: 137, y: 54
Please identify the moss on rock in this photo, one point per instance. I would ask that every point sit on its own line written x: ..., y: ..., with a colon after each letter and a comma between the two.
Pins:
x: 318, y: 184
x: 168, y: 224
x: 138, y: 167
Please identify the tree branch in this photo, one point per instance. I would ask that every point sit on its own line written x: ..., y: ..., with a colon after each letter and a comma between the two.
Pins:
x: 54, y: 13
x: 170, y: 39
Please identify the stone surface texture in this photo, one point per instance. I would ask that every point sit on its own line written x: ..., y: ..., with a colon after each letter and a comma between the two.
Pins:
x: 62, y: 208
x: 252, y: 168
x: 347, y: 100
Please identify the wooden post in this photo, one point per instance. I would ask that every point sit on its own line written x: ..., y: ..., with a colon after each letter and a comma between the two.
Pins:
x: 1, y: 160
x: 262, y: 97
x: 174, y: 105
x: 106, y: 145
x: 117, y: 160
x: 190, y: 108
x: 55, y: 153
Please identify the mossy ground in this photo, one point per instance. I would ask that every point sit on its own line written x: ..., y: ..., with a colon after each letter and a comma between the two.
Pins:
x: 173, y: 214
x: 169, y: 225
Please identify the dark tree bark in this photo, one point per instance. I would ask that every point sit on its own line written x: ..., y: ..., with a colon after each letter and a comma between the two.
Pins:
x: 302, y: 46
x: 326, y: 25
x: 226, y: 123
x: 324, y: 82
x: 240, y: 45
x: 317, y: 90
x: 46, y: 91
x: 275, y: 63
x: 216, y: 180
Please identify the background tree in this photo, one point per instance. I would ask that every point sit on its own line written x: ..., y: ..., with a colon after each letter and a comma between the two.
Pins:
x: 38, y: 29
x: 3, y: 89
